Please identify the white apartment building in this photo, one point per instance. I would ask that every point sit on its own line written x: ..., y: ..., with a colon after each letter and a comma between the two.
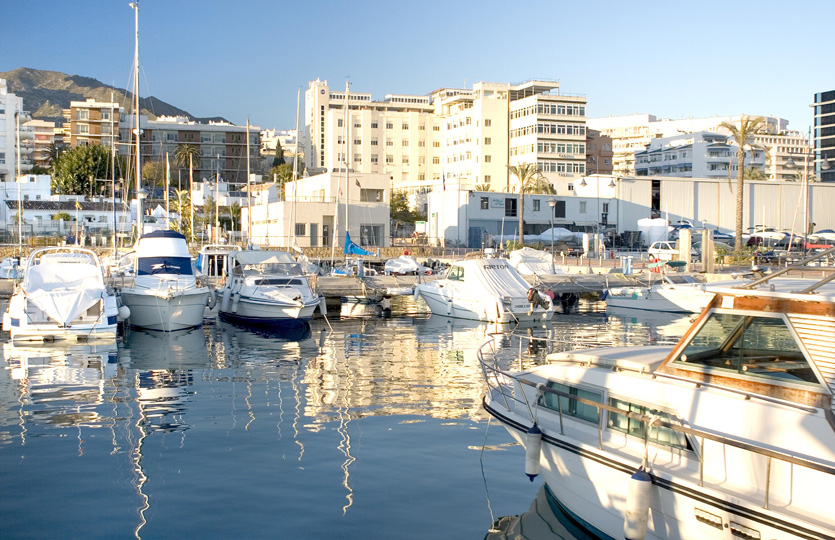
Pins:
x: 316, y: 206
x: 632, y: 133
x: 704, y: 154
x: 12, y: 114
x: 43, y: 137
x: 451, y: 139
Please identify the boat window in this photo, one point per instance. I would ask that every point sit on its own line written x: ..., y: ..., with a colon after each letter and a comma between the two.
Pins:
x: 755, y: 346
x: 456, y: 273
x: 164, y: 265
x: 572, y: 407
x: 277, y: 281
x: 631, y: 426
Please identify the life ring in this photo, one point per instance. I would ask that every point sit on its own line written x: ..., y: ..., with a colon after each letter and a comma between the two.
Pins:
x: 654, y: 269
x: 406, y: 252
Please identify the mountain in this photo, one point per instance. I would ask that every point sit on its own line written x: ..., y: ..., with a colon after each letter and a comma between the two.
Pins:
x: 46, y: 93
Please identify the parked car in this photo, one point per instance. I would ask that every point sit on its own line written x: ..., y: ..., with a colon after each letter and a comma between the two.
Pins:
x: 666, y: 251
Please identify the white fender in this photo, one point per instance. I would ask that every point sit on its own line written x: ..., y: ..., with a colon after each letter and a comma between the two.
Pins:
x: 637, y: 506
x: 212, y: 300
x: 416, y: 294
x: 323, y: 306
x: 533, y: 448
x: 235, y: 299
x: 224, y: 301
x: 123, y: 314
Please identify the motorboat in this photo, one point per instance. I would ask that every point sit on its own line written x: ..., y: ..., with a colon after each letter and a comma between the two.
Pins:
x: 672, y: 293
x: 63, y: 296
x: 10, y: 268
x: 212, y: 262
x: 728, y: 434
x: 403, y: 265
x: 529, y: 262
x: 164, y: 293
x: 488, y: 290
x: 265, y: 289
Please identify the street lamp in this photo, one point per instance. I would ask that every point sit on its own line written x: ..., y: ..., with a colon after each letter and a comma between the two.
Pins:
x: 552, y: 203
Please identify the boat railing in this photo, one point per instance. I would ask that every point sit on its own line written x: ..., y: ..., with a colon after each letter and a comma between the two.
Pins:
x: 503, y: 383
x: 802, y: 265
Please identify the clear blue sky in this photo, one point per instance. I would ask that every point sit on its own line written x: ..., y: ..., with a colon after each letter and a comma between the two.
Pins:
x: 247, y: 57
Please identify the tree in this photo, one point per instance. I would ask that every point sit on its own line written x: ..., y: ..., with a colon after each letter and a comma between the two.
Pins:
x: 482, y: 187
x: 743, y: 136
x: 73, y: 170
x: 279, y: 154
x: 400, y: 212
x: 61, y: 216
x: 153, y: 174
x: 181, y: 203
x: 55, y: 151
x: 530, y: 181
x: 235, y: 215
x: 754, y: 173
x: 282, y: 174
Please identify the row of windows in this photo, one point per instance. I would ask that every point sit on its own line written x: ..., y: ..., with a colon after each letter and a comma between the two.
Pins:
x: 617, y: 422
x: 549, y: 108
x: 561, y: 167
x: 549, y: 128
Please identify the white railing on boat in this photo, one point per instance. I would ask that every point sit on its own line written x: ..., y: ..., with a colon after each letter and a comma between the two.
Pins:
x: 500, y: 381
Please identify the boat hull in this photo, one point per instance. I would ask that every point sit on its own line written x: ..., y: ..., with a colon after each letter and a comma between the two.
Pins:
x: 166, y: 312
x: 485, y: 309
x: 267, y: 314
x: 669, y: 300
x: 592, y: 486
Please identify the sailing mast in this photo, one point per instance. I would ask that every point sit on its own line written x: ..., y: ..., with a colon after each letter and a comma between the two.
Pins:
x: 139, y: 211
x: 113, y: 173
x: 19, y: 196
x: 347, y: 151
x: 295, y: 169
x: 248, y: 192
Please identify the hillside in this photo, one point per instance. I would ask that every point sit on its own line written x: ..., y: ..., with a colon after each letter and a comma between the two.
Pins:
x: 46, y: 93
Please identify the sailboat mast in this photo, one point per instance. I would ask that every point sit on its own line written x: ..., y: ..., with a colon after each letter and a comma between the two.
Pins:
x: 248, y: 190
x: 139, y: 217
x: 113, y: 173
x: 19, y: 196
x: 295, y: 164
x: 347, y: 149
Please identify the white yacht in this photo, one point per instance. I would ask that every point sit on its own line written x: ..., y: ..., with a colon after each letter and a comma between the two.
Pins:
x: 728, y: 434
x: 62, y: 297
x: 673, y: 293
x: 488, y: 290
x: 266, y: 288
x: 164, y: 293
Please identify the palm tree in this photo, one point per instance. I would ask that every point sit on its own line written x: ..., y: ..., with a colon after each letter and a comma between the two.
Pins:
x: 530, y: 181
x: 742, y: 135
x: 182, y: 205
x: 182, y: 155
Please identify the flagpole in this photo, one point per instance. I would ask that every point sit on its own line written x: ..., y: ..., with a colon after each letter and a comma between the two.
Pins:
x: 167, y: 183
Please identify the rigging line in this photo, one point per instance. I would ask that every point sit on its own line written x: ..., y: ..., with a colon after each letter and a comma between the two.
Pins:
x: 484, y: 476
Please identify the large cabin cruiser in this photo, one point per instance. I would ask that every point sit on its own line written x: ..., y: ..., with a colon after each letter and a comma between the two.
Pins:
x: 728, y: 434
x: 266, y: 289
x: 62, y: 297
x: 164, y: 294
x: 487, y: 290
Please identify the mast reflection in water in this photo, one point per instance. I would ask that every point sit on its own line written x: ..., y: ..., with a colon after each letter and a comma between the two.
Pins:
x: 373, y: 429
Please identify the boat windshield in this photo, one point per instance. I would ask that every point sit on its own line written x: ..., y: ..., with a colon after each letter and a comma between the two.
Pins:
x: 278, y: 269
x: 753, y: 346
x: 164, y: 265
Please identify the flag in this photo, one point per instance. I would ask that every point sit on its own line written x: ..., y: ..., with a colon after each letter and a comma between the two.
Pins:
x: 77, y: 205
x: 358, y: 183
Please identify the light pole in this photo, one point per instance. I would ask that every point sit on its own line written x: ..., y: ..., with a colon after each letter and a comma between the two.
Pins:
x: 553, y: 204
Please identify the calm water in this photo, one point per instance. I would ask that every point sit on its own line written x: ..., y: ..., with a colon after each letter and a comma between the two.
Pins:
x: 370, y: 429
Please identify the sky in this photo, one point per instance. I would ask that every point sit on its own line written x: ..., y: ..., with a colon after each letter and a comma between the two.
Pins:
x: 248, y: 58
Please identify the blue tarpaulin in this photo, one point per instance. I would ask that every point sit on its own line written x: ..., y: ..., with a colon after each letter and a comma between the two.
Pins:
x: 353, y: 249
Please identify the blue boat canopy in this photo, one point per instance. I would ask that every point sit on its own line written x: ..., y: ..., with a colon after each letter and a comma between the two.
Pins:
x: 353, y: 249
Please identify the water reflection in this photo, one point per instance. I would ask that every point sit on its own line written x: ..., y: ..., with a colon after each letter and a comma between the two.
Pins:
x: 284, y: 415
x: 543, y: 521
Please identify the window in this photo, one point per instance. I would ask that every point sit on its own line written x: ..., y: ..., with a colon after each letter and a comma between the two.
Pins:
x: 405, y: 142
x: 405, y: 125
x: 389, y: 125
x: 357, y: 142
x: 487, y: 178
x: 436, y: 144
x: 300, y: 229
x: 559, y: 209
x: 487, y: 140
x: 405, y: 160
x: 373, y: 125
x: 571, y: 407
x: 510, y: 207
x: 389, y: 142
x: 373, y: 158
x: 582, y: 207
x: 488, y: 122
x: 373, y: 142
x: 631, y: 426
x: 536, y: 205
x: 357, y: 124
x: 339, y: 122
x: 748, y: 347
x: 488, y: 159
x: 485, y: 203
x: 389, y: 158
x: 436, y: 160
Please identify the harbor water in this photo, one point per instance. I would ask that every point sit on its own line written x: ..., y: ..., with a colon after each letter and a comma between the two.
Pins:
x: 356, y: 427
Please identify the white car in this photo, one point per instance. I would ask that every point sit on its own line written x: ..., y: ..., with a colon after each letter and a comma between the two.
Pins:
x: 666, y: 251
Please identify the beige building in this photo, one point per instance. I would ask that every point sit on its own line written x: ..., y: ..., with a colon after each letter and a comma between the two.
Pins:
x: 43, y: 135
x: 91, y: 122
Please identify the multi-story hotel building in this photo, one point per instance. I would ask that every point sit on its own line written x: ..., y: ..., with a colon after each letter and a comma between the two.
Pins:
x: 703, y: 154
x: 450, y: 139
x: 89, y: 123
x: 44, y: 135
x: 12, y: 116
x: 632, y: 133
x: 222, y: 146
x: 824, y: 135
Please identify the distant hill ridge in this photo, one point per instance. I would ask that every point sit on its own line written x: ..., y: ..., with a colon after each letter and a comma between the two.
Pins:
x: 46, y: 93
